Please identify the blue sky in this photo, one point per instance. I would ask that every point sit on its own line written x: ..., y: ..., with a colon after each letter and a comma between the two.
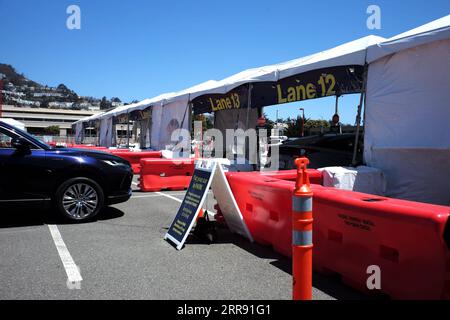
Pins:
x: 138, y: 49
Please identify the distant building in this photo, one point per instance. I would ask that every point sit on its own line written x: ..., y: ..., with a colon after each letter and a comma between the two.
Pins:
x: 116, y: 104
x: 280, y: 127
x: 95, y: 106
x: 62, y: 105
x: 47, y: 94
x: 37, y: 119
x: 7, y: 93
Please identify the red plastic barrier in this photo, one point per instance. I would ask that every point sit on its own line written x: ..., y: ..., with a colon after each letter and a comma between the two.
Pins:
x: 405, y: 239
x: 315, y: 176
x: 80, y: 146
x: 171, y: 174
x: 353, y: 231
x: 266, y: 205
x: 135, y: 157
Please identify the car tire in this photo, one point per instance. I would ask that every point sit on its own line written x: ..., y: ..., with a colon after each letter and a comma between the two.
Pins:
x: 79, y: 199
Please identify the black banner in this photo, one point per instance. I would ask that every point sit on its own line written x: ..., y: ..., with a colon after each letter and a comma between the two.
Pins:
x: 309, y: 85
x: 182, y: 223
x: 137, y: 115
x: 234, y: 99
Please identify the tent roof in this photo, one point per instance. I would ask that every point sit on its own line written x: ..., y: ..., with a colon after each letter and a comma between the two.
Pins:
x: 436, y: 30
x: 350, y: 53
x: 90, y: 118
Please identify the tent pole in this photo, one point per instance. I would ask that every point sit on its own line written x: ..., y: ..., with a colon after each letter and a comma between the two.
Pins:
x: 190, y: 123
x: 358, y: 115
x: 336, y: 106
x: 249, y: 103
x: 128, y: 130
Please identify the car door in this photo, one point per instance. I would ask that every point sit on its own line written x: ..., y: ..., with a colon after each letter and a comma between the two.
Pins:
x: 23, y: 175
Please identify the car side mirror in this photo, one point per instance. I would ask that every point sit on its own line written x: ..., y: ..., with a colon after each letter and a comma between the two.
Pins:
x: 20, y: 144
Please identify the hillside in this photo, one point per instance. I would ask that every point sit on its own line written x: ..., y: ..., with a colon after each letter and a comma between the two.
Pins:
x: 20, y: 91
x: 14, y: 77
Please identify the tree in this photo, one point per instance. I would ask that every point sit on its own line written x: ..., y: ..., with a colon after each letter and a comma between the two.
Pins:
x: 52, y: 130
x: 269, y: 123
x: 115, y: 99
x: 206, y: 121
x: 105, y: 104
x: 294, y: 126
x: 44, y: 102
x: 62, y: 88
x: 309, y: 124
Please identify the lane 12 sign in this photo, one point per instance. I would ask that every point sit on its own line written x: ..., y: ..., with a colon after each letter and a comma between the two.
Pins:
x: 192, y: 203
x: 317, y: 83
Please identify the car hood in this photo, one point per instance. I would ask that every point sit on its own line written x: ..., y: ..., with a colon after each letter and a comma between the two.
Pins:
x: 100, y: 155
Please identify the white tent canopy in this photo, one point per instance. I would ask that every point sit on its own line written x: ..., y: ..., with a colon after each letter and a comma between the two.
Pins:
x: 350, y: 53
x: 407, y: 134
x: 434, y: 31
x: 90, y: 118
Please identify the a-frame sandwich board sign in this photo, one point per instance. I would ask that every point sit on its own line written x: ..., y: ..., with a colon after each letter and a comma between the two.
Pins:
x: 192, y: 202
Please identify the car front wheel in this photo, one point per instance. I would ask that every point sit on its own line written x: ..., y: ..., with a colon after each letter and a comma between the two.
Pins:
x: 79, y: 199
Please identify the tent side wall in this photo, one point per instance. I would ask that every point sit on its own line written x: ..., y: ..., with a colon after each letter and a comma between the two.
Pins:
x: 79, y: 132
x: 106, y: 132
x: 165, y: 119
x: 407, y: 124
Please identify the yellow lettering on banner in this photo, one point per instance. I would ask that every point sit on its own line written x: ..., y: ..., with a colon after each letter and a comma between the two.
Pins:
x: 321, y: 82
x: 332, y: 81
x: 238, y: 102
x: 213, y: 107
x: 291, y: 94
x: 300, y: 92
x: 326, y: 86
x: 310, y: 91
x: 223, y: 103
x: 230, y: 102
x: 280, y: 95
x: 219, y: 104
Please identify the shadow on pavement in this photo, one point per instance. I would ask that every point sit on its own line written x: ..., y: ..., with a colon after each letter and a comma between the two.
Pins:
x: 21, y: 217
x: 330, y: 285
x: 28, y: 217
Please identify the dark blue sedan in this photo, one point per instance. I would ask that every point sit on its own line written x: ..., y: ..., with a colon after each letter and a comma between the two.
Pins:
x: 79, y: 183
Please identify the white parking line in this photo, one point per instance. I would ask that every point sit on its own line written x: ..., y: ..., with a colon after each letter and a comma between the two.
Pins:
x: 155, y: 195
x: 73, y: 274
x: 169, y: 196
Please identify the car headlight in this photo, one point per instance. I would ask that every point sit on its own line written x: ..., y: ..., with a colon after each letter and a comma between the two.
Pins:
x: 115, y: 163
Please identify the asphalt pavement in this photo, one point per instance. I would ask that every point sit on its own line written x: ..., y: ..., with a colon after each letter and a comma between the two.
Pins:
x: 122, y: 255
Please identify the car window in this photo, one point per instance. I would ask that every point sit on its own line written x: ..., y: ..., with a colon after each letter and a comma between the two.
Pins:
x: 6, y: 138
x: 5, y: 141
